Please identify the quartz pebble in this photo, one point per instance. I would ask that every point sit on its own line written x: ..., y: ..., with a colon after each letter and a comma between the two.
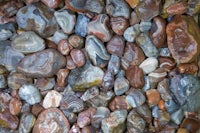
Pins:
x: 52, y: 99
x: 149, y: 65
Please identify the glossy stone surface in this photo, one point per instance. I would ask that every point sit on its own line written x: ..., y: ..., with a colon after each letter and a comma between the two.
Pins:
x: 28, y: 42
x: 81, y: 25
x: 153, y: 96
x: 119, y: 24
x: 117, y: 8
x: 37, y: 17
x: 99, y: 27
x: 96, y: 51
x: 177, y: 116
x: 45, y: 63
x: 62, y: 77
x: 51, y: 120
x: 183, y: 38
x: 66, y: 20
x: 115, y: 122
x: 76, y: 41
x: 27, y: 121
x: 30, y: 94
x: 52, y: 99
x: 135, y: 76
x: 149, y: 65
x: 78, y: 57
x: 131, y: 33
x: 52, y: 3
x: 188, y: 68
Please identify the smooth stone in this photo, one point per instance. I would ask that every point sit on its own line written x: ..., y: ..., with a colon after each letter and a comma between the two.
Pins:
x: 5, y: 34
x: 8, y: 120
x: 163, y: 88
x: 7, y: 130
x: 163, y: 117
x: 70, y: 64
x: 119, y: 24
x: 45, y: 84
x: 108, y: 80
x: 145, y: 26
x: 66, y: 20
x: 116, y: 45
x: 191, y: 124
x: 164, y: 52
x: 37, y: 17
x: 177, y: 8
x: 51, y: 120
x: 27, y: 121
x: 166, y: 63
x: 45, y: 63
x: 58, y: 36
x: 36, y: 109
x: 134, y: 19
x: 153, y: 97
x: 119, y: 102
x: 76, y: 41
x: 52, y: 99
x: 131, y: 33
x: 28, y: 42
x: 147, y: 85
x: 118, y: 8
x: 9, y: 27
x: 148, y: 9
x: 9, y: 56
x: 15, y: 106
x: 115, y: 122
x: 4, y: 101
x: 52, y: 3
x: 114, y: 64
x: 30, y: 94
x: 154, y: 111
x: 76, y: 6
x: 149, y: 65
x: 3, y: 82
x: 81, y: 25
x: 135, y: 98
x: 135, y: 123
x: 96, y: 51
x: 72, y: 117
x: 64, y: 47
x: 177, y: 116
x: 95, y: 6
x: 121, y: 85
x: 62, y: 77
x: 182, y: 130
x: 145, y: 112
x: 147, y: 46
x: 183, y: 38
x: 90, y: 93
x: 99, y: 27
x: 78, y: 57
x: 171, y: 106
x: 132, y: 3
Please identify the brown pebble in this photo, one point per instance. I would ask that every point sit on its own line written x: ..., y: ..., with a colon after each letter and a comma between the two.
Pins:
x: 37, y: 109
x: 119, y: 102
x: 166, y: 63
x: 161, y: 104
x: 76, y: 41
x: 188, y: 68
x: 50, y: 44
x: 15, y: 106
x: 182, y: 130
x: 177, y: 8
x: 191, y: 124
x: 78, y: 57
x: 134, y: 19
x: 64, y: 47
x: 62, y: 77
x: 70, y: 63
x: 119, y: 24
x: 153, y: 96
x: 132, y: 3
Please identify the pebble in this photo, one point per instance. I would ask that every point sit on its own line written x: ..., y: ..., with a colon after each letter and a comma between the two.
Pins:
x: 166, y: 62
x: 51, y: 120
x: 78, y: 57
x: 116, y: 8
x: 177, y: 116
x: 177, y: 8
x: 115, y: 122
x: 135, y: 76
x: 90, y: 93
x: 188, y: 68
x: 182, y: 130
x: 149, y: 65
x: 114, y: 64
x: 116, y: 45
x: 134, y: 19
x: 76, y: 41
x: 147, y: 46
x: 99, y: 56
x: 70, y: 64
x: 58, y: 36
x: 3, y: 82
x: 45, y: 84
x: 131, y: 33
x: 119, y: 24
x: 189, y: 48
x: 145, y: 26
x: 15, y: 106
x: 135, y: 98
x: 52, y: 3
x: 52, y: 99
x: 28, y: 42
x: 132, y: 3
x: 163, y: 117
x: 5, y: 34
x: 108, y: 80
x: 62, y: 77
x: 144, y: 112
x: 30, y: 94
x: 98, y: 27
x: 37, y: 17
x: 95, y: 6
x: 121, y: 85
x: 161, y: 105
x: 76, y: 6
x: 164, y: 52
x: 119, y: 102
x: 171, y: 106
x: 37, y: 109
x: 147, y: 85
x: 27, y: 121
x: 81, y: 25
x: 64, y: 47
x: 153, y: 97
x: 4, y: 101
x: 85, y: 117
x: 65, y: 20
x: 191, y: 124
x: 45, y: 63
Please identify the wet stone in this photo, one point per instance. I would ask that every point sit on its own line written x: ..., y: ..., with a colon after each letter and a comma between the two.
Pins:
x: 115, y: 122
x: 28, y: 42
x: 96, y: 51
x: 30, y: 94
x: 64, y: 47
x: 27, y: 121
x: 66, y: 20
x: 45, y: 63
x: 99, y: 27
x: 119, y: 24
x: 81, y: 25
x: 131, y: 33
x: 51, y: 120
x: 116, y: 8
x: 52, y: 99
x: 37, y: 17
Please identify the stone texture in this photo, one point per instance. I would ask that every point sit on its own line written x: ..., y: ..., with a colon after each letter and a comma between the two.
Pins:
x: 15, y: 106
x: 52, y: 3
x: 119, y: 24
x: 78, y: 57
x: 149, y: 65
x: 27, y: 121
x: 153, y: 97
x: 81, y: 25
x: 62, y: 77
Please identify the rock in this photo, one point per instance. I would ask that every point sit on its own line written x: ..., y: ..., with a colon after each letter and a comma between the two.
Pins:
x: 28, y: 42
x: 164, y: 52
x: 149, y: 65
x: 37, y: 109
x: 163, y: 117
x: 62, y: 77
x: 76, y: 6
x: 145, y: 26
x: 144, y: 112
x: 66, y: 20
x: 131, y: 33
x: 58, y: 36
x: 182, y: 130
x: 5, y: 34
x: 163, y: 89
x: 119, y: 24
x: 188, y: 68
x: 171, y: 106
x: 153, y: 97
x: 30, y: 94
x: 134, y: 19
x: 115, y: 122
x: 95, y: 6
x: 96, y: 51
x: 191, y: 124
x: 76, y: 41
x: 99, y: 27
x: 121, y: 85
x: 193, y: 7
x: 177, y: 8
x: 108, y: 80
x: 177, y: 116
x: 27, y: 121
x: 147, y: 85
x: 119, y: 102
x: 45, y: 63
x: 81, y: 25
x: 3, y: 82
x: 183, y: 38
x: 52, y: 99
x: 166, y: 63
x: 114, y: 64
x: 70, y: 64
x: 45, y: 84
x: 37, y: 17
x: 90, y: 93
x: 133, y: 3
x: 51, y: 120
x: 52, y: 3
x: 78, y: 57
x: 15, y: 106
x: 4, y: 101
x: 64, y: 47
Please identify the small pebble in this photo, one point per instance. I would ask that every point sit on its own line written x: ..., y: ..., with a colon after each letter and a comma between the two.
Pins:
x: 153, y: 96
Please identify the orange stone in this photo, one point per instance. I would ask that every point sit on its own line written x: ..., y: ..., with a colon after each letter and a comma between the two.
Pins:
x: 161, y: 104
x: 132, y: 3
x: 153, y: 96
x: 15, y: 106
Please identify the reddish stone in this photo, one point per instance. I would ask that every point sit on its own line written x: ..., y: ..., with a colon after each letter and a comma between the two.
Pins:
x: 52, y: 3
x: 191, y: 124
x: 62, y: 77
x: 37, y: 109
x: 78, y: 57
x: 166, y: 63
x: 119, y: 102
x: 15, y: 106
x: 153, y: 96
x: 76, y: 41
x: 50, y: 44
x: 177, y: 8
x: 188, y: 68
x: 70, y: 63
x: 161, y: 104
x: 119, y: 24
x: 64, y: 47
